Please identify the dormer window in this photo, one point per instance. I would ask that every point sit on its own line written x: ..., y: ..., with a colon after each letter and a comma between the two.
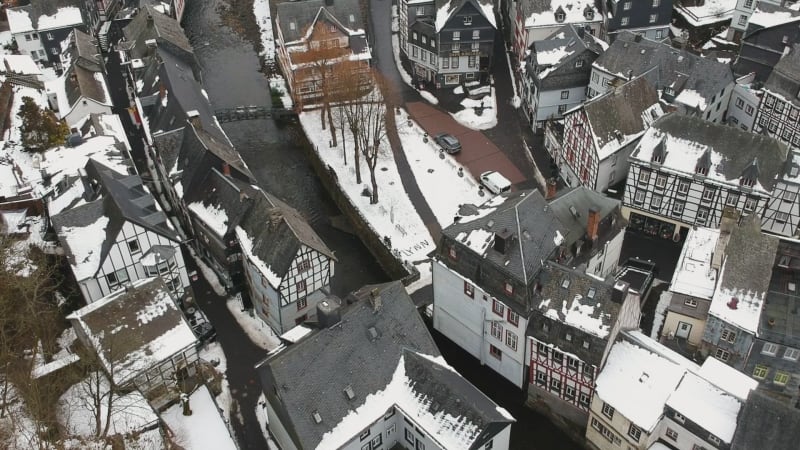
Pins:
x: 467, y: 20
x: 578, y: 63
x: 748, y: 182
x: 588, y: 13
x: 452, y: 253
x: 560, y: 17
x: 701, y: 170
x: 565, y: 283
x: 669, y: 91
x: 292, y: 26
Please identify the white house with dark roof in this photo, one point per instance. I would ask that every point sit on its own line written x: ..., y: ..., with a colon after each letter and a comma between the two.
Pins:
x: 692, y: 84
x: 599, y: 135
x: 487, y: 262
x: 535, y: 20
x: 745, y: 98
x: 378, y: 381
x: 736, y: 307
x: 82, y: 89
x: 684, y: 171
x: 647, y: 393
x: 556, y: 72
x: 141, y: 339
x: 114, y: 233
x: 648, y: 18
x: 39, y: 27
x: 779, y: 110
x: 576, y: 318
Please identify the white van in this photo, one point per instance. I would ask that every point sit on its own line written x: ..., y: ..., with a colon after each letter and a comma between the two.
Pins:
x: 495, y: 182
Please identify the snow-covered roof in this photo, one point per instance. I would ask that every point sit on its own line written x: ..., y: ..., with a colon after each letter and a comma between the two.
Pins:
x: 686, y: 139
x: 539, y: 13
x: 727, y: 378
x: 20, y: 20
x: 295, y: 334
x: 84, y: 243
x: 134, y: 329
x: 707, y: 12
x: 446, y: 9
x: 692, y: 99
x: 637, y: 383
x: 745, y: 275
x: 694, y: 275
x: 405, y: 372
x: 64, y: 161
x: 204, y: 428
x: 23, y: 64
x: 767, y: 15
x: 211, y: 215
x: 706, y: 405
x: 246, y: 244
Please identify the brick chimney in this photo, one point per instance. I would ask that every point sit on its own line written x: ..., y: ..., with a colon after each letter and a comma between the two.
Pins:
x: 592, y: 223
x: 502, y: 241
x: 226, y: 169
x: 551, y: 189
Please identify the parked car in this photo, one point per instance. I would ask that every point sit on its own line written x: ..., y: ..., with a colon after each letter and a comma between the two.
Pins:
x: 448, y: 142
x: 495, y: 182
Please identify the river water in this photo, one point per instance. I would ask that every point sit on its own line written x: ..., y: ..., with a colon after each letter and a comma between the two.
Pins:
x: 274, y: 154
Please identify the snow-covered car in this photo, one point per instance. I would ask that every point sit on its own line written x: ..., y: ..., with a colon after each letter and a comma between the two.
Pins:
x: 448, y: 142
x: 494, y: 182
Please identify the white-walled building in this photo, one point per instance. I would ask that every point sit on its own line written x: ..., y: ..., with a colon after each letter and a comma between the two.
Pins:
x: 114, y: 233
x: 39, y: 28
x: 377, y: 381
x: 743, y: 105
x: 535, y: 20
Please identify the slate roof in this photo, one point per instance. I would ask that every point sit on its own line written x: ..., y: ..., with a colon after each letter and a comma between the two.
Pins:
x: 304, y: 13
x: 785, y: 77
x: 619, y: 111
x: 184, y: 93
x: 79, y: 82
x: 347, y: 355
x: 563, y: 74
x: 572, y: 305
x: 278, y: 231
x: 540, y: 7
x: 121, y: 198
x: 134, y: 329
x: 535, y: 229
x: 83, y: 51
x: 582, y: 199
x: 734, y: 149
x: 766, y: 423
x: 663, y: 65
x: 781, y: 306
x: 163, y: 29
x: 224, y: 193
x: 38, y: 8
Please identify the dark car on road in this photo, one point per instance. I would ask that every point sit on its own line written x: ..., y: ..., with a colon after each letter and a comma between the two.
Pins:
x: 448, y: 142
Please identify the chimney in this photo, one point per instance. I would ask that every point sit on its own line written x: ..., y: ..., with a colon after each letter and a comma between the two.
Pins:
x: 328, y: 2
x: 593, y: 223
x: 733, y: 303
x: 226, y: 170
x: 194, y: 118
x: 149, y: 20
x: 619, y: 292
x: 552, y: 188
x: 502, y: 241
x: 375, y: 299
x: 328, y: 312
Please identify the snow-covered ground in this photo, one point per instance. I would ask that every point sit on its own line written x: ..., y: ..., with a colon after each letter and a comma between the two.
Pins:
x: 264, y: 20
x: 213, y: 353
x: 259, y: 332
x: 204, y: 429
x: 660, y: 313
x: 261, y: 416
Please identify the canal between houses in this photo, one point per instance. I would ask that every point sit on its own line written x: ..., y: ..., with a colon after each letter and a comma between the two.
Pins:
x: 274, y: 154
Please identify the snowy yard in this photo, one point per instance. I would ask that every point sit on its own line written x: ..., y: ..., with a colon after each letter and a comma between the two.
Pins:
x: 203, y: 429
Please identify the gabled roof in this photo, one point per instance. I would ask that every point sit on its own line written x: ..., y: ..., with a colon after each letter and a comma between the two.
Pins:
x: 618, y: 116
x: 534, y: 232
x: 89, y: 231
x: 552, y: 60
x: 581, y: 199
x: 578, y: 300
x: 150, y: 24
x: 745, y: 275
x: 134, y: 329
x: 42, y: 15
x: 785, y: 77
x: 276, y: 232
x: 768, y: 15
x: 82, y: 50
x: 445, y: 9
x: 730, y: 150
x: 631, y: 55
x: 80, y: 82
x: 387, y: 358
x: 303, y: 14
x: 220, y: 202
x: 542, y: 13
x: 766, y: 423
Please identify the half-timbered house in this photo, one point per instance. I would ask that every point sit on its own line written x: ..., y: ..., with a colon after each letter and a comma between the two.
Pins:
x: 691, y: 84
x: 575, y: 320
x: 684, y: 171
x: 487, y: 261
x: 779, y: 111
x: 556, y: 73
x: 599, y: 135
x: 535, y: 20
x: 313, y: 38
x: 118, y: 235
x: 287, y: 266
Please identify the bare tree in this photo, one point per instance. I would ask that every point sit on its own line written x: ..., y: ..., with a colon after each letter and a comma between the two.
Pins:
x: 373, y: 130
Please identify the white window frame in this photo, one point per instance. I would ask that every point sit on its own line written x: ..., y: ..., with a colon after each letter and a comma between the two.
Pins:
x: 791, y: 354
x: 769, y: 349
